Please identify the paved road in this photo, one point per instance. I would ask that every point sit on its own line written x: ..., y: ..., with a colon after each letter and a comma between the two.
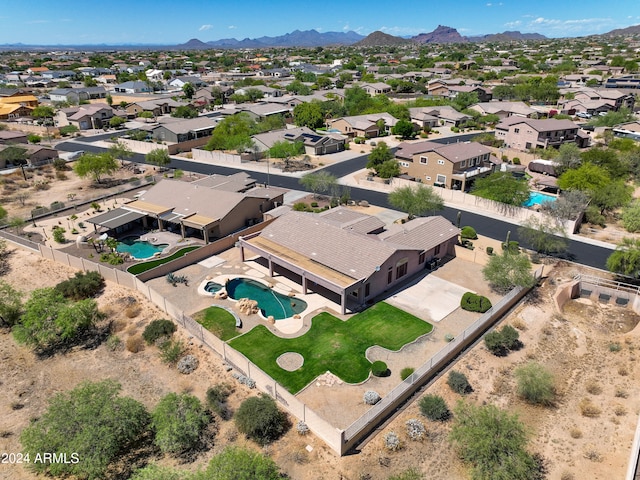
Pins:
x: 580, y: 252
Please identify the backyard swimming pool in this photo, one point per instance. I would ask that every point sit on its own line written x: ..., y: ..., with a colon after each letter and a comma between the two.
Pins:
x: 270, y: 303
x: 139, y: 249
x: 537, y: 198
x: 212, y: 287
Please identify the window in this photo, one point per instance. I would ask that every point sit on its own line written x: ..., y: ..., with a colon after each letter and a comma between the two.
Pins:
x: 463, y: 163
x: 440, y: 162
x: 427, y: 177
x: 390, y: 275
x: 423, y: 160
x: 422, y: 257
x: 404, y: 164
x: 367, y: 289
x: 436, y: 251
x: 401, y: 270
x: 441, y: 179
x: 516, y: 130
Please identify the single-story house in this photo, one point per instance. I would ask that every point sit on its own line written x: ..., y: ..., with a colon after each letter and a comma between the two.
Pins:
x: 344, y: 255
x: 36, y: 154
x: 85, y: 117
x: 158, y: 106
x: 504, y: 109
x: 76, y: 95
x: 178, y: 130
x: 363, y: 125
x: 12, y: 136
x: 134, y: 86
x: 314, y: 143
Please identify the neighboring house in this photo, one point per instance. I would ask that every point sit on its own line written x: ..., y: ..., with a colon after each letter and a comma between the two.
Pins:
x: 484, y: 94
x: 615, y: 98
x: 314, y: 144
x: 453, y: 165
x: 445, y: 115
x: 627, y: 81
x: 76, y: 95
x: 197, y: 209
x: 526, y: 134
x: 178, y: 130
x: 158, y: 107
x: 14, y: 110
x: 36, y: 154
x: 504, y: 109
x: 340, y: 255
x: 378, y: 88
x: 12, y: 136
x: 134, y: 86
x: 179, y: 82
x: 591, y: 107
x: 267, y: 92
x: 85, y: 117
x: 625, y: 130
x: 259, y: 111
x: 363, y: 125
x: 23, y: 99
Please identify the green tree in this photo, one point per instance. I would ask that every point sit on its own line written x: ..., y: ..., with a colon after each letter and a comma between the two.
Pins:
x: 95, y: 165
x: 120, y: 151
x: 156, y: 472
x: 544, y: 234
x: 320, y: 182
x: 185, y: 111
x: 159, y: 157
x: 50, y: 320
x: 502, y: 187
x: 309, y: 114
x: 535, y: 384
x: 285, y: 150
x: 631, y: 217
x: 357, y: 100
x: 10, y: 304
x: 33, y: 138
x: 91, y: 422
x: 612, y: 118
x: 14, y: 154
x: 260, y: 419
x: 569, y: 156
x: 379, y: 154
x: 416, y: 200
x: 43, y: 113
x: 179, y: 422
x: 146, y: 115
x: 232, y: 133
x: 625, y: 260
x: 434, y: 408
x: 493, y: 442
x: 69, y: 129
x: 237, y: 463
x: 606, y: 158
x: 389, y: 169
x: 612, y: 196
x: 506, y: 271
x: 587, y: 178
x: 404, y: 129
x: 188, y: 90
x: 117, y: 122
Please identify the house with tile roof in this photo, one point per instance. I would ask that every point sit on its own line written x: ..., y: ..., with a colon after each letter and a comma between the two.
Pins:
x: 348, y: 256
x: 314, y: 143
x: 526, y: 133
x: 85, y: 117
x: 363, y: 125
x: 454, y: 165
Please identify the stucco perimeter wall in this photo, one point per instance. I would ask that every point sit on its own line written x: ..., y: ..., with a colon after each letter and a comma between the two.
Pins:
x: 142, y: 147
x: 215, y: 156
x: 565, y: 293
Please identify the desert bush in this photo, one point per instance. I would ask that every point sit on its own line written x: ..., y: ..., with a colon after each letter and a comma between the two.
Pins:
x: 415, y: 429
x: 535, y: 384
x: 619, y: 410
x: 434, y: 408
x: 171, y: 350
x: 588, y: 408
x: 260, y: 419
x: 81, y: 285
x: 249, y: 382
x: 459, y: 383
x: 474, y: 303
x: 114, y: 343
x: 187, y: 364
x: 158, y: 328
x: 623, y: 371
x: 58, y: 235
x: 302, y: 428
x: 593, y: 387
x: 575, y: 432
x: 370, y: 397
x: 489, y: 251
x: 406, y: 372
x: 621, y: 393
x: 448, y: 337
x: 468, y: 233
x: 135, y: 344
x: 217, y: 399
x: 567, y: 476
x: 519, y: 324
x: 392, y: 441
x: 615, y: 347
x: 179, y: 422
x: 499, y: 342
x: 379, y: 369
x: 132, y: 311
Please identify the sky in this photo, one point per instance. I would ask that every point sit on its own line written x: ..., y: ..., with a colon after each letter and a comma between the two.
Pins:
x: 171, y: 22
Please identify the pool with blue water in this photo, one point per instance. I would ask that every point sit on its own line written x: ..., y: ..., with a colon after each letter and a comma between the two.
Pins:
x: 139, y: 249
x: 270, y: 302
x: 538, y: 198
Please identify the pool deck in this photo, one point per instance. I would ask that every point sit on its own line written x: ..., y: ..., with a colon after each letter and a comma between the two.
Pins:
x: 172, y: 240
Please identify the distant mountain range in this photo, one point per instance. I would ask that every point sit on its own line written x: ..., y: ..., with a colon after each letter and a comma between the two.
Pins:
x: 313, y: 38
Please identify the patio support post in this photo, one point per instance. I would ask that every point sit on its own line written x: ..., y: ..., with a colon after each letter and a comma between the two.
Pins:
x: 343, y: 302
x: 205, y: 234
x: 182, y: 230
x: 270, y: 267
x: 304, y: 284
x: 241, y: 253
x: 160, y: 224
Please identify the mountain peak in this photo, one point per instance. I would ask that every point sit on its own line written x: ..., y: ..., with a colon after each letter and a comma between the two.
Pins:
x: 442, y: 34
x: 380, y: 38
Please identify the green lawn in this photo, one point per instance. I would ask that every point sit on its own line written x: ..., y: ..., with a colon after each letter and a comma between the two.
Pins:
x: 218, y: 321
x: 144, y: 266
x: 332, y: 344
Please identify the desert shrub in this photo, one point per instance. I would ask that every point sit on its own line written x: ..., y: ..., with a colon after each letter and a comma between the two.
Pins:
x: 302, y: 428
x: 575, y: 432
x: 619, y: 410
x: 459, y: 383
x: 301, y: 207
x: 512, y: 247
x: 249, y: 382
x: 392, y: 441
x: 468, y: 232
x: 260, y: 419
x: 217, y: 399
x: 135, y: 344
x: 474, y: 303
x: 588, y: 408
x: 236, y: 463
x: 158, y: 328
x: 370, y: 397
x: 132, y: 311
x: 499, y: 342
x: 516, y: 161
x: 415, y: 429
x: 112, y: 258
x: 535, y: 384
x: 615, y: 347
x: 406, y: 372
x: 409, y: 474
x: 489, y: 251
x: 187, y: 364
x: 593, y: 387
x: 448, y: 337
x: 179, y: 422
x: 171, y: 351
x: 81, y: 285
x: 379, y: 369
x: 621, y: 393
x: 114, y: 343
x: 434, y: 408
x: 314, y: 204
x: 58, y: 235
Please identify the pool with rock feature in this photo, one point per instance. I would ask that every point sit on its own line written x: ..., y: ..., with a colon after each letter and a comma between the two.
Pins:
x: 270, y: 302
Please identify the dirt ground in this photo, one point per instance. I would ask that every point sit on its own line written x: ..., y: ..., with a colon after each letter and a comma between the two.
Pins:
x: 575, y: 344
